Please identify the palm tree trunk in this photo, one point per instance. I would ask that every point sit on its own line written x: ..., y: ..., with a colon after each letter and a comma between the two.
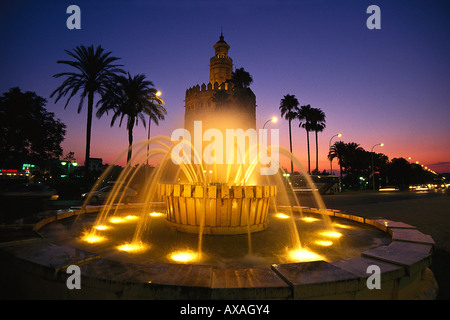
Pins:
x: 290, y: 146
x: 148, y: 138
x: 88, y: 130
x: 317, y: 152
x: 130, y: 140
x: 309, y: 161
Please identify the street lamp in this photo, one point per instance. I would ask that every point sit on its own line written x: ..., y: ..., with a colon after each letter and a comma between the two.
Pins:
x: 373, y: 171
x: 68, y: 164
x: 273, y: 119
x: 157, y: 94
x: 329, y: 149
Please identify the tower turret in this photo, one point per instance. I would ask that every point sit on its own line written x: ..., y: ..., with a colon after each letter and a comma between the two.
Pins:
x: 221, y: 65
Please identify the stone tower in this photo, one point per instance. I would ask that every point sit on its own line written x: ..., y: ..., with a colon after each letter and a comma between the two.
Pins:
x: 221, y: 65
x: 218, y: 104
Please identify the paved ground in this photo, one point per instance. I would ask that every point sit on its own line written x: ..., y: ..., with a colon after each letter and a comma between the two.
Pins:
x: 429, y: 212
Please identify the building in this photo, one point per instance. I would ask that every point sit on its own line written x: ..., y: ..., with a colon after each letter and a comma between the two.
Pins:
x: 219, y: 104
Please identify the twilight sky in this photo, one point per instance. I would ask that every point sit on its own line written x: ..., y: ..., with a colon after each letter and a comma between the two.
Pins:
x: 390, y: 85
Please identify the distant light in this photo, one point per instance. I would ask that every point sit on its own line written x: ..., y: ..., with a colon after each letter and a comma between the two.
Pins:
x: 381, y: 144
x: 274, y: 119
x: 339, y: 135
x: 74, y: 164
x: 158, y: 93
x: 63, y: 163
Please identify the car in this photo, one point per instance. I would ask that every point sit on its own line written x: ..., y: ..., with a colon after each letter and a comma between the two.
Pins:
x: 124, y: 194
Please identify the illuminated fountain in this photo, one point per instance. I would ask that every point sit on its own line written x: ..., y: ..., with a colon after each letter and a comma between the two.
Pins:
x: 203, y: 229
x: 288, y: 252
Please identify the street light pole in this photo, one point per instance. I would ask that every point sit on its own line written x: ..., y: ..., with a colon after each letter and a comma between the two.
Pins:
x: 158, y: 93
x: 373, y: 171
x: 329, y: 149
x: 273, y: 119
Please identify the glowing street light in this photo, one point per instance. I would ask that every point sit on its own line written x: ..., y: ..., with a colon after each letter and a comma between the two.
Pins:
x: 373, y: 171
x: 329, y: 148
x: 273, y: 119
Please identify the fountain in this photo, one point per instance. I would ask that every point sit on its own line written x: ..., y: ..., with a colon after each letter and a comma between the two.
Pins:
x: 218, y: 241
x: 205, y: 229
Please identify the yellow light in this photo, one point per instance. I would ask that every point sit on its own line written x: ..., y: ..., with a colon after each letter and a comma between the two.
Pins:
x: 303, y: 255
x: 92, y: 238
x: 339, y: 135
x: 132, y: 247
x: 324, y: 243
x: 116, y: 220
x: 309, y: 219
x: 156, y: 214
x: 131, y: 217
x: 381, y: 144
x: 331, y: 234
x: 280, y: 215
x: 183, y: 256
x: 158, y: 93
x: 101, y: 227
x: 274, y: 119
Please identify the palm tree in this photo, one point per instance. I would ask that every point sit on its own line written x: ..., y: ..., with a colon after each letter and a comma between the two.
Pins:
x: 289, y: 110
x: 132, y: 97
x: 94, y: 70
x: 241, y: 78
x: 317, y: 125
x: 305, y: 116
x: 338, y: 150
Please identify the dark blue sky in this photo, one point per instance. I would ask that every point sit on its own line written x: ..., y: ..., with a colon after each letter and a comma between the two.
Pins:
x: 390, y: 85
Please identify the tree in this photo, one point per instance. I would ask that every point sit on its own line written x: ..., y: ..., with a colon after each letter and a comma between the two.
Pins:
x: 28, y: 132
x: 317, y: 125
x: 289, y: 110
x: 338, y: 150
x: 133, y: 97
x: 95, y: 68
x: 241, y: 78
x: 305, y: 116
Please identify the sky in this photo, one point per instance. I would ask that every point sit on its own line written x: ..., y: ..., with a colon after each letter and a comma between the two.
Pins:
x: 388, y: 85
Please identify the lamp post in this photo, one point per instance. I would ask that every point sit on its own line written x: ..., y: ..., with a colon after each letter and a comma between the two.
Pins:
x: 157, y: 94
x: 273, y: 119
x: 373, y: 171
x: 69, y: 163
x: 329, y: 149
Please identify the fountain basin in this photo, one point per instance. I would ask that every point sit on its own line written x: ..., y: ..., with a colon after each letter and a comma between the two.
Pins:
x: 30, y: 264
x: 217, y: 208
